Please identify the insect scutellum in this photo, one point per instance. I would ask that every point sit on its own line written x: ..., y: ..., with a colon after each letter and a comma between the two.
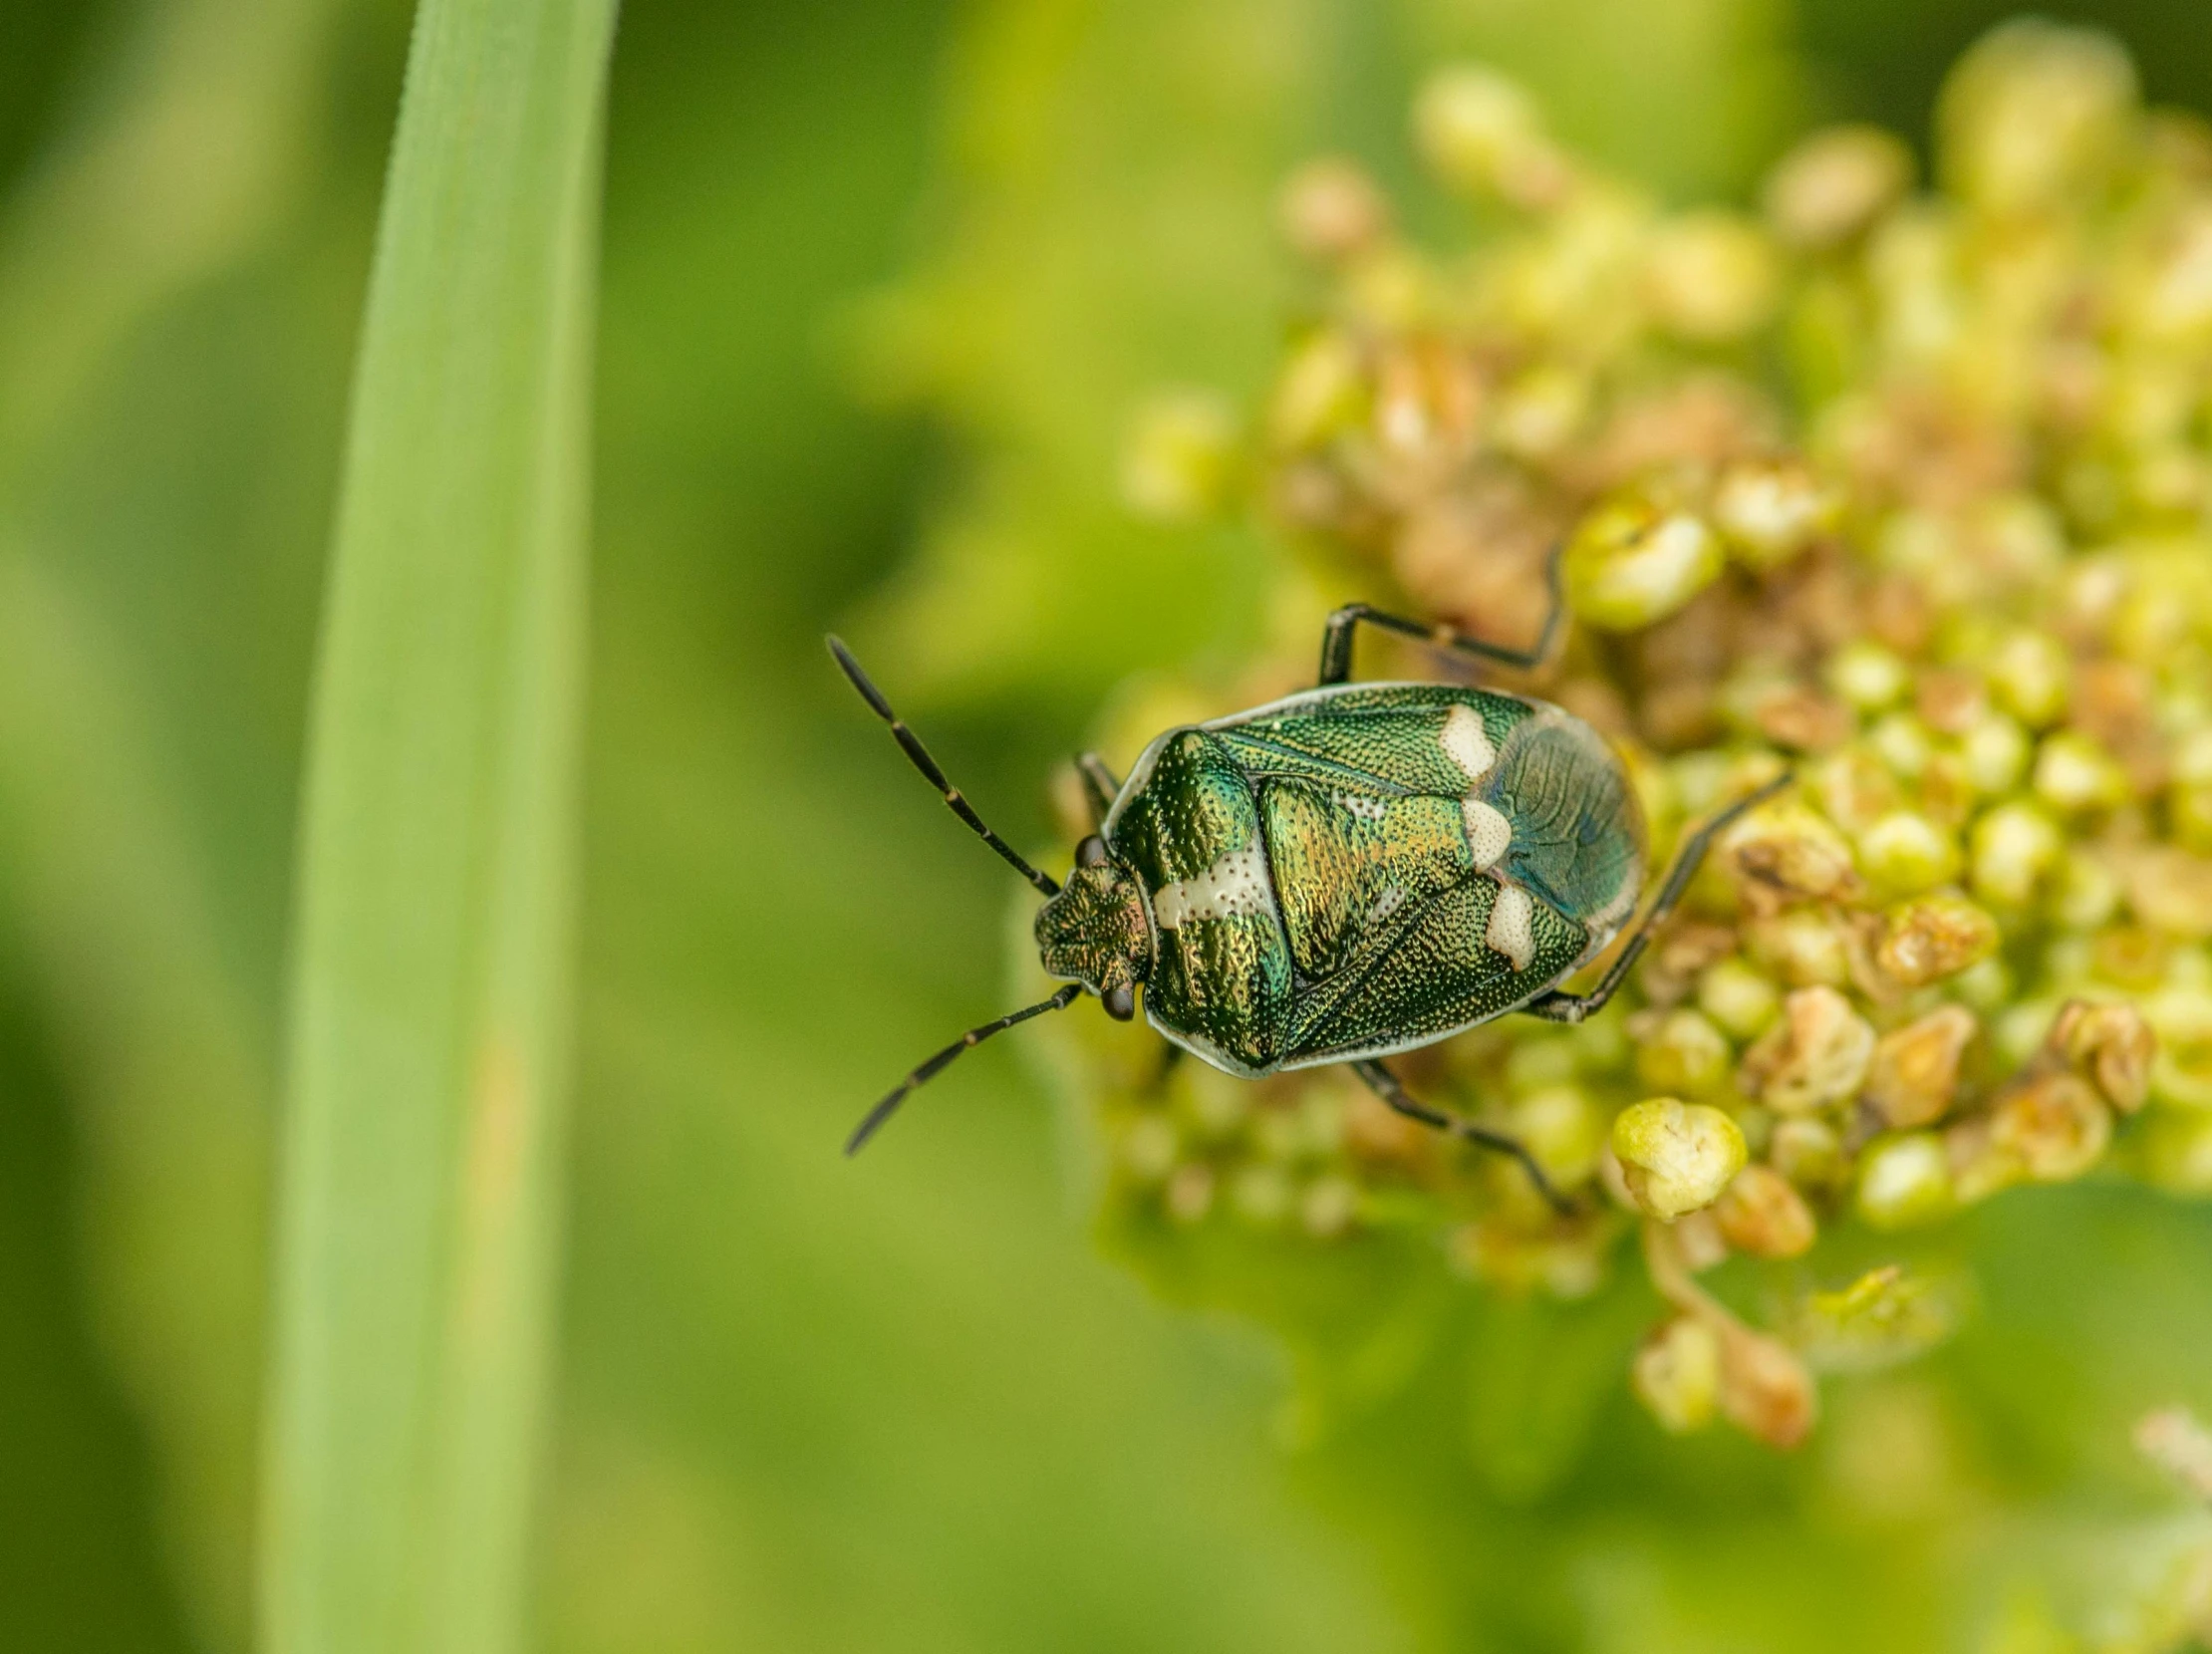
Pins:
x: 1354, y: 872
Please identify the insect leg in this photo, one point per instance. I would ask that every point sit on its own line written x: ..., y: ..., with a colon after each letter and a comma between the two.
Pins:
x: 1100, y: 785
x: 1385, y: 1085
x: 1336, y: 636
x: 1573, y: 1008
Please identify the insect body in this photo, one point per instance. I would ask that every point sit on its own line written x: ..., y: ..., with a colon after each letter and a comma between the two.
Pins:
x: 1353, y: 872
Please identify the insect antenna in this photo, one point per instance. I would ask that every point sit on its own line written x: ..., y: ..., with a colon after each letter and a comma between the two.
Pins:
x: 967, y: 1041
x: 919, y: 756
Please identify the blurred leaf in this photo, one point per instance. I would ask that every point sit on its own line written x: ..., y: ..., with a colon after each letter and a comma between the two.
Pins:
x: 419, y: 1179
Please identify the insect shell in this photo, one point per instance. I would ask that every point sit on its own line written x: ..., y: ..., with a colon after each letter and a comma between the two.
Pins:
x: 1352, y: 872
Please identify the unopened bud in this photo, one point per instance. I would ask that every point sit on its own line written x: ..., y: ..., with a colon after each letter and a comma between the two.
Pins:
x: 1995, y: 749
x: 1836, y: 184
x: 2014, y: 847
x: 1904, y: 853
x: 1483, y: 136
x: 1915, y: 1072
x: 1738, y: 998
x: 2171, y: 890
x: 1635, y: 560
x: 2074, y: 774
x: 1709, y: 277
x: 1770, y: 509
x: 1322, y: 392
x: 1933, y: 937
x: 1869, y: 676
x: 2031, y: 679
x: 1685, y: 1053
x: 2033, y: 114
x: 1676, y: 1157
x: 1803, y: 947
x: 1904, y: 1181
x: 1331, y: 209
x: 1762, y: 1213
x: 1765, y: 1391
x: 1807, y: 1152
x: 1677, y: 1375
x: 1817, y: 1055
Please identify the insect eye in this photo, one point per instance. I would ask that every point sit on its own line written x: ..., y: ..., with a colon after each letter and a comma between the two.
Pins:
x: 1120, y: 1001
x: 1091, y: 852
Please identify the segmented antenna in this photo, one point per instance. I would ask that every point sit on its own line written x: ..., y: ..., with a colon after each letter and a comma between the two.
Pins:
x: 932, y: 1068
x: 919, y: 756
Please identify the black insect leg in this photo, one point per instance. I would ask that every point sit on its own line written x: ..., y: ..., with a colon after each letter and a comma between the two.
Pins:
x: 1385, y: 1085
x: 1573, y: 1008
x: 1336, y: 636
x: 1101, y: 786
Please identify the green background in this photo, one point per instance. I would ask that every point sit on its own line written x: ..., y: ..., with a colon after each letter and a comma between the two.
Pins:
x: 879, y: 280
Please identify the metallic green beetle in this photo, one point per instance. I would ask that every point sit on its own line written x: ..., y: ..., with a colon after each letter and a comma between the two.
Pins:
x: 1353, y: 872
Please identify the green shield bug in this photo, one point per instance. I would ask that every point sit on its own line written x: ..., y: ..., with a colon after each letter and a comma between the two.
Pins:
x: 1352, y: 872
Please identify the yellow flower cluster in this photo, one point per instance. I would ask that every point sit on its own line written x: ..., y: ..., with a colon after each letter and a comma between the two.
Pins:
x: 1907, y: 492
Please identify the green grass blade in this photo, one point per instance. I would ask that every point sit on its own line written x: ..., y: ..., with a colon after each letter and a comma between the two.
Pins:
x: 418, y: 1176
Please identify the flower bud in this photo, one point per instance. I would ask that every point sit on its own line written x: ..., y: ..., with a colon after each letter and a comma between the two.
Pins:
x: 1868, y: 675
x: 1635, y: 560
x: 1738, y: 998
x: 2013, y: 848
x: 1760, y: 1213
x: 1179, y: 458
x: 2034, y: 114
x: 1904, y: 1181
x: 1995, y: 749
x: 2075, y: 774
x: 2112, y: 1046
x: 1709, y: 277
x: 1322, y: 392
x: 1765, y: 1391
x: 1928, y: 940
x: 1676, y: 1157
x: 1815, y: 1056
x: 1770, y: 509
x: 1834, y: 183
x: 1915, y: 1071
x: 1539, y: 411
x: 1807, y: 1152
x: 1483, y: 134
x: 1331, y: 209
x: 1685, y: 1053
x: 2031, y: 679
x: 2171, y: 890
x: 1677, y: 1375
x: 1562, y: 1129
x: 1904, y: 853
x: 1803, y: 947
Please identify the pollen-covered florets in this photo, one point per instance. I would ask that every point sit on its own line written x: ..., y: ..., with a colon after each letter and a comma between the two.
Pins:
x: 1905, y: 492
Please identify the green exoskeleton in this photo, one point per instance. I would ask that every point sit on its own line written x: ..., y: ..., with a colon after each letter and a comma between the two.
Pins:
x: 1350, y: 873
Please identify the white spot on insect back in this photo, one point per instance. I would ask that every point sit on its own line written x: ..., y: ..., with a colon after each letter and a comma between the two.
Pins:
x: 1236, y: 884
x: 1389, y: 902
x: 1467, y: 744
x: 1488, y: 834
x: 1358, y: 808
x: 1513, y: 925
